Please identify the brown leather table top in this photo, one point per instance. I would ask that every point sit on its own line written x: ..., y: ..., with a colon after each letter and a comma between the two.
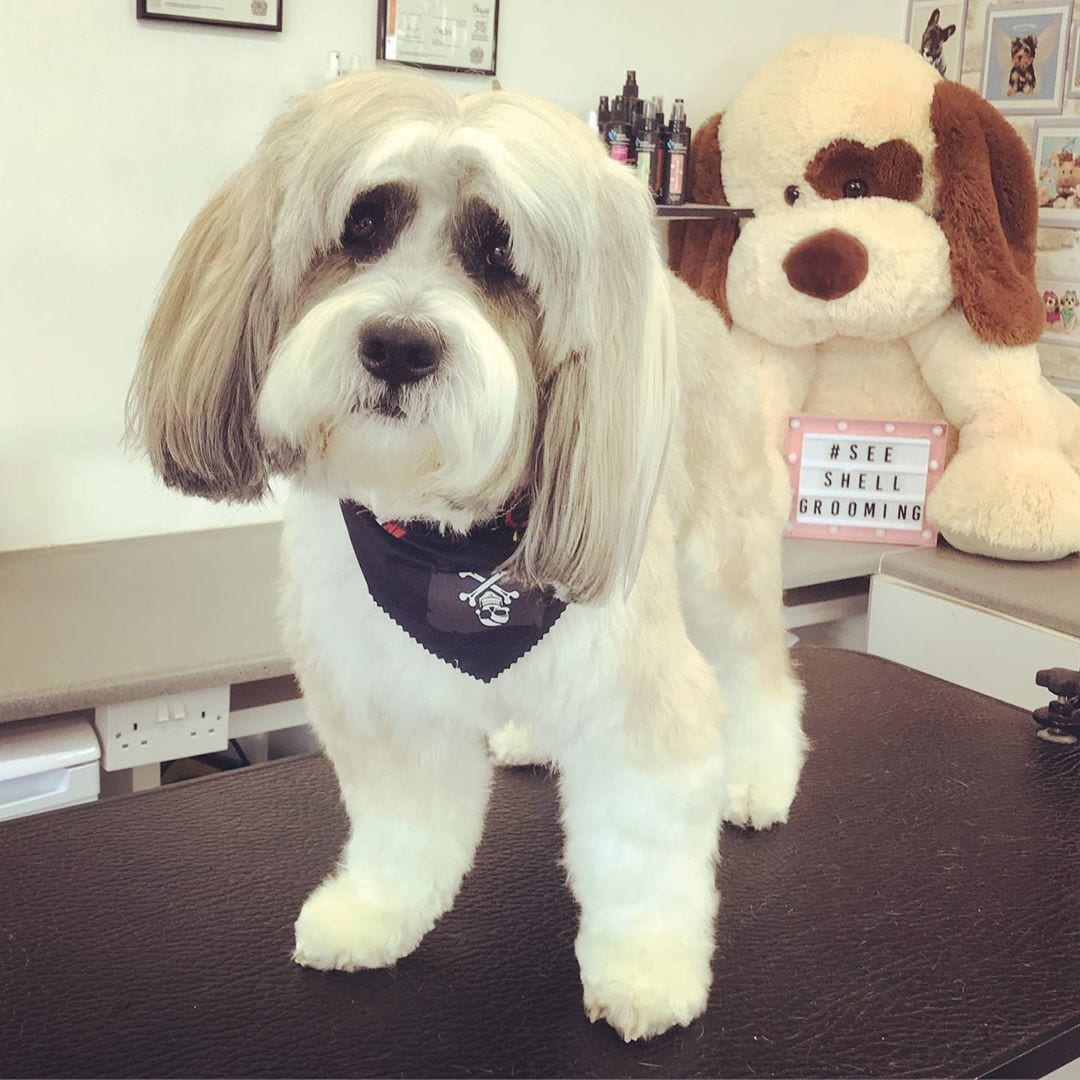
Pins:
x: 919, y: 916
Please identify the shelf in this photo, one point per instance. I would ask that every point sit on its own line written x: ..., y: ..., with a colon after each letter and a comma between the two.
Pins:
x: 701, y: 211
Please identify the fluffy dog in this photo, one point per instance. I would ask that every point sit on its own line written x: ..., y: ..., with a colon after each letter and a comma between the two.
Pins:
x: 1022, y: 77
x: 440, y: 316
x: 888, y: 271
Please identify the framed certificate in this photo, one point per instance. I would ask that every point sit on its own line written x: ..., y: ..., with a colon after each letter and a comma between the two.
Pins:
x: 446, y: 35
x: 248, y: 14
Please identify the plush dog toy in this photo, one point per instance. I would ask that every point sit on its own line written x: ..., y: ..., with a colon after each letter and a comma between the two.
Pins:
x: 888, y: 273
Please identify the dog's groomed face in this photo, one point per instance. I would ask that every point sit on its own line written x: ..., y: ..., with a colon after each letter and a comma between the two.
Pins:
x: 408, y: 379
x: 427, y: 304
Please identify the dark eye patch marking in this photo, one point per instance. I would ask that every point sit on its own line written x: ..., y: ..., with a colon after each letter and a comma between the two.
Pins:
x: 847, y: 169
x: 481, y: 242
x: 376, y: 219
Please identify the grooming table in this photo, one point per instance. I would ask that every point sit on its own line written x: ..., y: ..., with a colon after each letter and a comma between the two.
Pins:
x: 919, y: 916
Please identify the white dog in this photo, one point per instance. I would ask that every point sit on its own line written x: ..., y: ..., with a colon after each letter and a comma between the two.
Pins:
x: 438, y: 316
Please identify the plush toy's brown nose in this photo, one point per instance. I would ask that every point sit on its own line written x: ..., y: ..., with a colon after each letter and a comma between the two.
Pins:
x: 828, y: 265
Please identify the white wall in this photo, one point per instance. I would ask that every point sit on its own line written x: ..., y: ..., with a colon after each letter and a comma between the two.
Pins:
x: 113, y: 132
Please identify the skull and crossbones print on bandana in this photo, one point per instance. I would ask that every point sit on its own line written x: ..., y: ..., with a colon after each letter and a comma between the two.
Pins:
x: 446, y: 592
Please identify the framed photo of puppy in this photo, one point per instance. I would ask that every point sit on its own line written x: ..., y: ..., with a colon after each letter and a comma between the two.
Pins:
x: 1024, y: 62
x: 935, y: 30
x: 1061, y: 303
x: 1057, y: 168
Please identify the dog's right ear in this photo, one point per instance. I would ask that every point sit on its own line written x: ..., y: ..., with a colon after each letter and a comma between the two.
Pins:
x: 698, y: 251
x: 192, y: 401
x: 934, y: 16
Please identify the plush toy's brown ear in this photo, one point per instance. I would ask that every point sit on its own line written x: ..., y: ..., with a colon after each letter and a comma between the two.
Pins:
x: 698, y: 251
x: 987, y: 204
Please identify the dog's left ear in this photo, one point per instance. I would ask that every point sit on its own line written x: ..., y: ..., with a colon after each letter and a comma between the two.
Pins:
x: 192, y: 401
x: 698, y: 251
x: 607, y: 403
x: 987, y: 205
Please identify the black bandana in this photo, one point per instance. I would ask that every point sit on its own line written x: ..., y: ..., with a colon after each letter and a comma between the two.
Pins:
x: 445, y: 592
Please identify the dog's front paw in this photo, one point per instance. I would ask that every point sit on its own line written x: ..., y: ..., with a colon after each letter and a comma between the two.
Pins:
x: 1009, y: 500
x: 764, y: 762
x: 761, y: 803
x: 644, y: 983
x: 344, y: 926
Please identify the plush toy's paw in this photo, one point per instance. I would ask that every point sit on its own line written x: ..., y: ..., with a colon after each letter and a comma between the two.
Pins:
x: 1009, y: 500
x: 515, y: 744
x: 644, y: 983
x: 342, y: 927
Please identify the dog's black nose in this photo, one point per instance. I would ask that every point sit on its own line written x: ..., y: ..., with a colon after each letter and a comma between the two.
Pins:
x: 400, y: 353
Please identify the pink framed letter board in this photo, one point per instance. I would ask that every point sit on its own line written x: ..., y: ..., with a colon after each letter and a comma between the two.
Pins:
x: 864, y: 480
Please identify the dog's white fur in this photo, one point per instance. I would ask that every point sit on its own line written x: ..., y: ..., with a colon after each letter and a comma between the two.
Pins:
x: 608, y: 391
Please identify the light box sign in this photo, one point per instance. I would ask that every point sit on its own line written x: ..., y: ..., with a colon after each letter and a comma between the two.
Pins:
x: 864, y: 479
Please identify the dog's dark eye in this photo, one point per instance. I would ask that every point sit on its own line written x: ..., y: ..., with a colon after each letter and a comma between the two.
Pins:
x: 497, y: 268
x: 481, y: 241
x: 791, y: 195
x: 856, y: 189
x: 498, y: 256
x: 362, y: 228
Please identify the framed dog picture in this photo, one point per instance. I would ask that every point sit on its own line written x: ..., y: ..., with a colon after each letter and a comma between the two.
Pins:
x: 245, y: 14
x: 1061, y: 304
x: 1057, y: 168
x: 1024, y: 62
x: 446, y: 35
x: 935, y: 30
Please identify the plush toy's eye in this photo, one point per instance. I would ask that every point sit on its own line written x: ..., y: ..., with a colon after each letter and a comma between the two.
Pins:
x: 856, y: 189
x: 791, y: 195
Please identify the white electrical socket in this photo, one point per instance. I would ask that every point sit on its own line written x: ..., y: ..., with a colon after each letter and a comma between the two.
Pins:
x: 164, y: 728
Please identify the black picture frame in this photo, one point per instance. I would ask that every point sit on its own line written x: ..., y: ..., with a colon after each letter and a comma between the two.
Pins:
x: 141, y: 12
x: 380, y: 43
